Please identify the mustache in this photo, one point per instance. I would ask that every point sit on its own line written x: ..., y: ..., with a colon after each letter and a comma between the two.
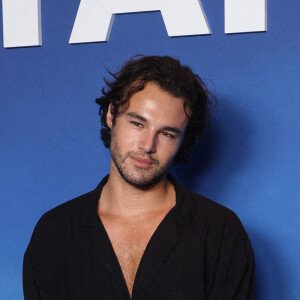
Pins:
x: 141, y: 154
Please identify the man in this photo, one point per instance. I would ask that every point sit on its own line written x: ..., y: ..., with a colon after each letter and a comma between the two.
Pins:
x: 139, y: 234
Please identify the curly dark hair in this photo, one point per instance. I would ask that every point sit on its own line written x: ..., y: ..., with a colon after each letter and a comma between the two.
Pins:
x: 169, y: 75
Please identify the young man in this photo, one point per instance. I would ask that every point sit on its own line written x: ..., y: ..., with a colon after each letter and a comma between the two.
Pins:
x: 139, y: 234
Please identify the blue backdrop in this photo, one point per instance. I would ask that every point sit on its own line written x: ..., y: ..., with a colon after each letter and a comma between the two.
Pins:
x: 49, y: 132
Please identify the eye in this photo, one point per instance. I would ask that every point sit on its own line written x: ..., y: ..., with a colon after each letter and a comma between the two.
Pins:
x: 137, y: 124
x: 167, y: 134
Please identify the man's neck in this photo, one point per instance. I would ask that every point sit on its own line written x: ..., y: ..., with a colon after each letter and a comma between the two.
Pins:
x: 119, y: 198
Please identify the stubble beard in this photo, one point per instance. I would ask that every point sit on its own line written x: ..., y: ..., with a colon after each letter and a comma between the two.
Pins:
x: 142, y: 178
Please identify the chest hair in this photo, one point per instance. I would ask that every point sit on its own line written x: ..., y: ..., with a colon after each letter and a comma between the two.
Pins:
x: 129, y: 246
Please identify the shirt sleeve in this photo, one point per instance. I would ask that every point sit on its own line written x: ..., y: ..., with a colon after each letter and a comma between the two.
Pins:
x: 33, y: 286
x: 37, y: 260
x: 233, y: 265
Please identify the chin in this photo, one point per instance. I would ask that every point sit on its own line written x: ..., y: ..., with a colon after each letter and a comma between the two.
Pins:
x: 143, y: 183
x: 142, y: 179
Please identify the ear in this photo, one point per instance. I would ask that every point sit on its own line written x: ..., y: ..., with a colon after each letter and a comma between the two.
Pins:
x: 109, y: 117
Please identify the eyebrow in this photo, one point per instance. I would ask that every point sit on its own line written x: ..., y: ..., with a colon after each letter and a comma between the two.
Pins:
x: 173, y: 129
x: 167, y: 128
x: 136, y: 116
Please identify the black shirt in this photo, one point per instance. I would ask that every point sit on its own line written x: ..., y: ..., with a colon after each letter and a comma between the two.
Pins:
x: 199, y: 251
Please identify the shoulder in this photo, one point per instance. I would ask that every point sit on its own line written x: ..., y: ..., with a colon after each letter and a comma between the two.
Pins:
x: 210, y: 207
x: 217, y: 233
x: 73, y: 212
x: 45, y: 251
x: 201, y: 211
x: 56, y: 224
x: 206, y: 214
x: 68, y: 214
x: 54, y: 229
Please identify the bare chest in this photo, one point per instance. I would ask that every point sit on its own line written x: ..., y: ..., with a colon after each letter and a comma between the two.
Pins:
x: 129, y: 250
x: 129, y: 243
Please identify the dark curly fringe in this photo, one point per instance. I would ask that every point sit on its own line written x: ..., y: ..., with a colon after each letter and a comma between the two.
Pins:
x: 170, y: 76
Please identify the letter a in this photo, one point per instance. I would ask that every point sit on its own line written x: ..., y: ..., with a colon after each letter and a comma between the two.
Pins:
x: 21, y: 23
x: 95, y: 17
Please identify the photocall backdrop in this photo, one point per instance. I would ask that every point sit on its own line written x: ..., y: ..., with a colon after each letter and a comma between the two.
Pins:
x: 248, y: 161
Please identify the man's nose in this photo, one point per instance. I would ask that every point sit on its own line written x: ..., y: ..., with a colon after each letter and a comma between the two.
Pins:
x: 148, y: 141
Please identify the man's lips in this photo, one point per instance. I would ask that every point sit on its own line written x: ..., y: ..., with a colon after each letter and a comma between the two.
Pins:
x: 144, y: 162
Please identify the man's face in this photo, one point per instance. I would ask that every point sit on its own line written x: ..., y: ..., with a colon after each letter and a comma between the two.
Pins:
x: 147, y: 136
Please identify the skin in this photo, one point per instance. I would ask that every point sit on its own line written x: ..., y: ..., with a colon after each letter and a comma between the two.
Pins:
x: 137, y: 196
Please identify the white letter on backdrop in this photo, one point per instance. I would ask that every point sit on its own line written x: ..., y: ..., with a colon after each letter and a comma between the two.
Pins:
x: 245, y: 16
x: 22, y: 23
x: 95, y: 17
